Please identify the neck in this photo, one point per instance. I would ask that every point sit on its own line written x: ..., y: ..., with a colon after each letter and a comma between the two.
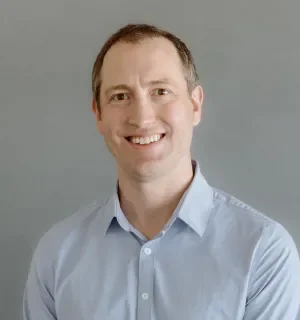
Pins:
x: 149, y: 205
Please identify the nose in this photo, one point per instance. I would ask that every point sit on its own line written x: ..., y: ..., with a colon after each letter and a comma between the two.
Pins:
x: 142, y: 113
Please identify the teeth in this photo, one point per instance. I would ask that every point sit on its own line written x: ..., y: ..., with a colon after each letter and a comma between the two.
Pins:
x: 146, y: 140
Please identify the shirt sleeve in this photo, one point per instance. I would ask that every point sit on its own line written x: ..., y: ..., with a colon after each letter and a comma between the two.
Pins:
x: 274, y: 288
x: 38, y: 301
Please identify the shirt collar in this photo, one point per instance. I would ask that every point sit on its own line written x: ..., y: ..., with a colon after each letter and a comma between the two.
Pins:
x: 194, y: 207
x: 196, y: 202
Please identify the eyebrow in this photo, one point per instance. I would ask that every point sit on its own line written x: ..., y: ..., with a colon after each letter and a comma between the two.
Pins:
x: 117, y: 87
x: 126, y: 87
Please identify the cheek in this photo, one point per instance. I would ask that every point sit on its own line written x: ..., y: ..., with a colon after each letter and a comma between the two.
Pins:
x: 112, y: 133
x: 178, y: 114
x: 110, y: 123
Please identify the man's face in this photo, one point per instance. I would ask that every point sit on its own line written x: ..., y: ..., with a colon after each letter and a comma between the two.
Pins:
x: 146, y: 112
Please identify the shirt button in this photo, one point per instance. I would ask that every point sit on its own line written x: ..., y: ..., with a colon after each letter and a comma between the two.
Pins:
x: 147, y: 251
x: 145, y: 296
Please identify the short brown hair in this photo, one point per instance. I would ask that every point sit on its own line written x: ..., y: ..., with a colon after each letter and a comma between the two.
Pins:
x: 134, y: 33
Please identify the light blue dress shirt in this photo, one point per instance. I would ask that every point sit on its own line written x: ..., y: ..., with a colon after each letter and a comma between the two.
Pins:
x: 216, y: 259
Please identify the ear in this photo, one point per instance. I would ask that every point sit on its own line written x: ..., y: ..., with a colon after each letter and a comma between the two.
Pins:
x: 97, y: 111
x: 197, y: 100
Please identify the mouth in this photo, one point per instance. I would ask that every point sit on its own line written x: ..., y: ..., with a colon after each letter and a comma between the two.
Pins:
x: 138, y: 140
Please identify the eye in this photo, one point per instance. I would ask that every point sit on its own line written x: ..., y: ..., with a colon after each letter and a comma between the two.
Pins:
x: 119, y: 97
x: 160, y: 92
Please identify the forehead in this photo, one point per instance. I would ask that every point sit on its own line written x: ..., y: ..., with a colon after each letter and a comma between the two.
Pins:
x: 147, y: 60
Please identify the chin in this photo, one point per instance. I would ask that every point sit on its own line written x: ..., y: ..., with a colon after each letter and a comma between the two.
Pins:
x: 148, y: 169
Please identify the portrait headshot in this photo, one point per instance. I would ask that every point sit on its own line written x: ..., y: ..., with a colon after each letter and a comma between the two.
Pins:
x: 151, y: 170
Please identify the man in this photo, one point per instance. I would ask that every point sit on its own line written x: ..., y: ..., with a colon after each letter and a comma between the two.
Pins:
x: 165, y: 245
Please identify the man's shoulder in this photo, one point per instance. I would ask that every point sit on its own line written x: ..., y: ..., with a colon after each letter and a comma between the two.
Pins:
x: 231, y: 208
x: 70, y: 229
x: 249, y: 225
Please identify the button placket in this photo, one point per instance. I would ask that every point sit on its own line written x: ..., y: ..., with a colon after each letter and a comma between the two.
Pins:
x: 146, y: 279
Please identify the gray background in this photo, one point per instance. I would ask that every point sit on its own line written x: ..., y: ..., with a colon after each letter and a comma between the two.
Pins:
x: 53, y: 160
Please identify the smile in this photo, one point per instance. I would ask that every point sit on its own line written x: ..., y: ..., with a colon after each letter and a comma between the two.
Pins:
x: 146, y: 140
